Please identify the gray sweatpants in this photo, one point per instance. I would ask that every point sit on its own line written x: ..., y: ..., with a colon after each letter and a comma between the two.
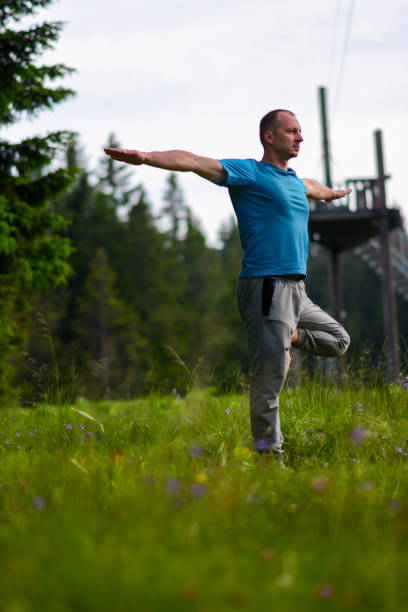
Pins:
x: 272, y: 308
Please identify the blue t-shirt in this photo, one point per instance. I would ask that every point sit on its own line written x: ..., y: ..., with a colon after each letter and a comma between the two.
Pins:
x: 272, y: 212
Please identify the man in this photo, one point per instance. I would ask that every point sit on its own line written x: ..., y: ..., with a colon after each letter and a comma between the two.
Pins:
x: 271, y: 204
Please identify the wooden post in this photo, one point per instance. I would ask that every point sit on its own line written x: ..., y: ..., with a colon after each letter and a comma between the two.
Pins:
x: 388, y: 296
x: 325, y: 136
x: 334, y: 264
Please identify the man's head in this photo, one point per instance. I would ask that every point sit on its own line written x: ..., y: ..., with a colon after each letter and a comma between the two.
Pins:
x: 280, y: 131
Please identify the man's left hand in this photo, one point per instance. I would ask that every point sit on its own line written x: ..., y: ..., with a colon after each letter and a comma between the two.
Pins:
x: 336, y: 194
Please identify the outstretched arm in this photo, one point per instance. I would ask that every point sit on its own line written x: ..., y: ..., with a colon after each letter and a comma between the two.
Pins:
x: 180, y: 161
x: 315, y: 191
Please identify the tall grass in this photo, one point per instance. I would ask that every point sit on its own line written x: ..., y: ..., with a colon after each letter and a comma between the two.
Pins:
x: 161, y: 504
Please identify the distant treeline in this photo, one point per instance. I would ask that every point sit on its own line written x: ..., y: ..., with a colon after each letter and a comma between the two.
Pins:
x: 141, y: 299
x: 100, y: 297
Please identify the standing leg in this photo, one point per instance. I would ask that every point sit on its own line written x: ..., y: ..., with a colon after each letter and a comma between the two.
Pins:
x: 267, y: 307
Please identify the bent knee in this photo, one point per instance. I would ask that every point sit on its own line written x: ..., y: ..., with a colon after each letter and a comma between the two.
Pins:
x: 343, y: 342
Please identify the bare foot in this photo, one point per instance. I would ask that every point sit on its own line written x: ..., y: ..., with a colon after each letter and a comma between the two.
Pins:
x: 295, y: 337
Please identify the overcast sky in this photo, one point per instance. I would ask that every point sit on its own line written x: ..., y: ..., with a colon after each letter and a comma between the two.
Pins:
x: 198, y: 75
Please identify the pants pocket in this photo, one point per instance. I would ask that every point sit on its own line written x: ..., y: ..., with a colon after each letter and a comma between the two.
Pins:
x: 268, y: 288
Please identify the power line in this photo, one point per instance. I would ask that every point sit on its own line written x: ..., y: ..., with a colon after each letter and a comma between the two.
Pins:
x: 337, y: 89
x: 334, y: 40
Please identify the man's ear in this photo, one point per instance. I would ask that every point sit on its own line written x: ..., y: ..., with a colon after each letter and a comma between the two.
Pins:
x: 268, y: 136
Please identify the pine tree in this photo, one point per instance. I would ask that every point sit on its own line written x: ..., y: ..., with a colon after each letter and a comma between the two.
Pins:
x: 33, y: 254
x: 174, y: 210
x: 108, y: 335
x: 114, y: 178
x: 232, y: 335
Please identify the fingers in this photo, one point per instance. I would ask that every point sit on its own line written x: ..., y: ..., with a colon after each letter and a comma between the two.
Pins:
x: 114, y: 153
x: 340, y: 193
x: 125, y: 155
x: 337, y: 194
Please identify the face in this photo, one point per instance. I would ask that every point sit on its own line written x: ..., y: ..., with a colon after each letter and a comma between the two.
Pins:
x: 286, y: 138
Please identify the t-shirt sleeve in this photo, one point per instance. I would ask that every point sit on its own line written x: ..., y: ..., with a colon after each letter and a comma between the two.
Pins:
x: 302, y: 184
x: 239, y: 172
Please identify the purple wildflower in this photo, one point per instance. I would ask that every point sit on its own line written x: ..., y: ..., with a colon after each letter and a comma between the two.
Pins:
x: 198, y: 490
x: 178, y: 395
x: 69, y: 426
x: 83, y: 436
x: 338, y: 391
x: 187, y: 421
x: 7, y: 442
x: 357, y: 435
x: 227, y: 410
x: 67, y: 436
x: 19, y: 447
x: 90, y: 434
x: 39, y: 503
x: 177, y: 427
x: 398, y: 449
x: 174, y: 391
x: 196, y: 451
x: 83, y: 427
x: 31, y: 433
x: 18, y: 434
x: 173, y: 486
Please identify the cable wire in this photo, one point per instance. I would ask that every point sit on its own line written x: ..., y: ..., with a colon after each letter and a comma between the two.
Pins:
x: 337, y: 89
x: 334, y: 40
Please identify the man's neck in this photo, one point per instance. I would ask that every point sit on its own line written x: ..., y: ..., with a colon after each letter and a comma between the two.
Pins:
x: 271, y: 158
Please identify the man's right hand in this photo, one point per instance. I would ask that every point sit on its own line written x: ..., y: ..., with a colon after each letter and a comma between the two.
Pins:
x: 176, y: 161
x: 128, y: 156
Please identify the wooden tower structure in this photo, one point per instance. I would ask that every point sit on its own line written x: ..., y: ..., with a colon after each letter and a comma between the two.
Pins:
x: 365, y: 223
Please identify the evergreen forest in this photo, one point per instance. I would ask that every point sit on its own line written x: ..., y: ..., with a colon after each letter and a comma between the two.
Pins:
x: 149, y: 306
x: 102, y: 297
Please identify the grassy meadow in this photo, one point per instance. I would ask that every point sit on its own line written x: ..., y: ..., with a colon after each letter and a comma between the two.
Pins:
x: 161, y: 504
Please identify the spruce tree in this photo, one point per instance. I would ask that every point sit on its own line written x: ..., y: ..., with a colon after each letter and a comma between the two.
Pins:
x: 108, y: 335
x: 33, y: 253
x: 115, y: 179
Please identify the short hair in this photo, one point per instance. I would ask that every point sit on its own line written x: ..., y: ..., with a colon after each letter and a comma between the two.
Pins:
x: 271, y: 122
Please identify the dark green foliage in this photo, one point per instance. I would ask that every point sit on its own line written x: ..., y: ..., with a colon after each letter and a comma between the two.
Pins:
x: 33, y: 254
x: 114, y: 178
x: 155, y: 309
x: 24, y: 83
x: 233, y: 357
x: 108, y: 334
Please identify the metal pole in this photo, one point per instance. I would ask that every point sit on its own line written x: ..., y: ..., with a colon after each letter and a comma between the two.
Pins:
x: 388, y: 296
x: 334, y: 264
x: 325, y: 136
